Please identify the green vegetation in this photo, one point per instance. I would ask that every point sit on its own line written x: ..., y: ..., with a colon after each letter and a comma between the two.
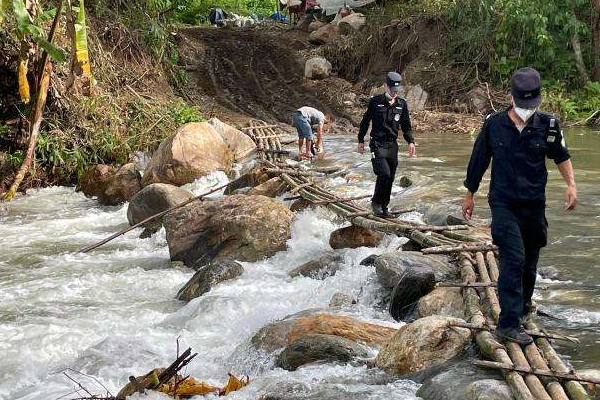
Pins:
x: 489, y: 39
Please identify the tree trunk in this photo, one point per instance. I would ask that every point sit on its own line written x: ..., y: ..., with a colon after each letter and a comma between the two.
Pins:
x: 579, y: 63
x: 595, y: 11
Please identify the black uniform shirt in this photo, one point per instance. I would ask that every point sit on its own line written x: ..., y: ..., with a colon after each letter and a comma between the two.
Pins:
x: 519, y: 172
x: 387, y: 120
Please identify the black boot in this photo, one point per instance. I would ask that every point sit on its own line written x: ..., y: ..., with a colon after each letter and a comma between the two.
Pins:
x: 377, y: 209
x: 385, y: 213
x: 517, y: 335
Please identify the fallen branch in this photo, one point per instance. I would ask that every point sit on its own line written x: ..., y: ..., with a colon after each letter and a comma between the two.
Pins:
x: 153, y: 217
x: 535, y: 371
x: 341, y: 200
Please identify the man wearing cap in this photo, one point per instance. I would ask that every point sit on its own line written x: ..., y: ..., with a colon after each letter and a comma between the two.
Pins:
x: 517, y: 141
x: 387, y: 114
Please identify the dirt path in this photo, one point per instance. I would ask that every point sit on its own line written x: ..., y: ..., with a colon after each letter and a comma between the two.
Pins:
x: 252, y: 72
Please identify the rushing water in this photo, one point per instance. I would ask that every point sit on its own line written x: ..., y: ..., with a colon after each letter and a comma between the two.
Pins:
x: 112, y: 313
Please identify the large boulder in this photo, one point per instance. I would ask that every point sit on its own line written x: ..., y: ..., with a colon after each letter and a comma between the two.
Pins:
x: 354, y: 236
x: 352, y: 23
x: 318, y: 347
x: 194, y: 151
x: 414, y: 283
x: 423, y: 343
x: 321, y: 267
x: 246, y: 228
x: 317, y: 68
x: 208, y: 276
x: 238, y: 142
x: 279, y: 334
x: 111, y: 185
x: 301, y: 205
x: 325, y: 34
x: 152, y: 200
x: 252, y: 178
x: 442, y: 301
x: 272, y: 188
x: 391, y: 266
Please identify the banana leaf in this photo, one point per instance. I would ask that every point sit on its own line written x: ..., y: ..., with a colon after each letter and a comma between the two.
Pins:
x: 81, y: 45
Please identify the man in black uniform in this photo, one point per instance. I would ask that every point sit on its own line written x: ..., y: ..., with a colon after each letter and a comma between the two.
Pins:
x: 517, y: 142
x: 388, y: 113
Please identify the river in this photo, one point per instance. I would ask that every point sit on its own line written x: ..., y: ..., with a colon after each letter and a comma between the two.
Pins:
x: 112, y: 313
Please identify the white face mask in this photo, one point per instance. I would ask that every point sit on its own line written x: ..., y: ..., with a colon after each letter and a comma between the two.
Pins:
x: 525, y: 113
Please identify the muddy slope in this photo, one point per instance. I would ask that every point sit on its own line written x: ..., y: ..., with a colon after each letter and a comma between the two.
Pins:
x: 247, y: 71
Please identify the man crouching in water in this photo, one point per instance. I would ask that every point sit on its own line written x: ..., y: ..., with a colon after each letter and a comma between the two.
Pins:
x: 305, y: 119
x: 388, y: 114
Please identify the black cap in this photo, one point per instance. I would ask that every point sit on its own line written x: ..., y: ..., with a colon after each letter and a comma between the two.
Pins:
x: 526, y: 88
x: 393, y: 81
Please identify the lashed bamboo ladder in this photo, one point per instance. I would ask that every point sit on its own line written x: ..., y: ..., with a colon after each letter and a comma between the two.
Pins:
x: 539, y: 355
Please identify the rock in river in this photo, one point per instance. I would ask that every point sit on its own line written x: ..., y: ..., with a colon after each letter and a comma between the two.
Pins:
x: 321, y: 267
x: 252, y: 178
x: 237, y: 141
x: 272, y: 188
x: 354, y: 236
x: 442, y: 301
x: 194, y: 151
x: 111, y: 185
x: 281, y: 333
x: 390, y: 266
x: 208, y: 276
x: 414, y: 283
x: 153, y: 199
x: 318, y: 347
x: 423, y: 343
x: 245, y: 228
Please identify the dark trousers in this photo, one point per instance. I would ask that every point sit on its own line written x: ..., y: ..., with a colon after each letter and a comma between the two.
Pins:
x: 519, y: 231
x: 384, y: 157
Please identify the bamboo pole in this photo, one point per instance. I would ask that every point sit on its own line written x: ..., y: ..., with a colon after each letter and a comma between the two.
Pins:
x: 460, y: 248
x: 514, y: 350
x: 493, y: 266
x: 534, y: 371
x: 574, y: 389
x: 341, y: 200
x: 529, y: 332
x: 151, y: 218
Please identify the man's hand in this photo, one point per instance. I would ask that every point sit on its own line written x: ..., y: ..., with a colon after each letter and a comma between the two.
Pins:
x: 361, y: 148
x: 412, y: 150
x: 571, y: 198
x: 468, y: 205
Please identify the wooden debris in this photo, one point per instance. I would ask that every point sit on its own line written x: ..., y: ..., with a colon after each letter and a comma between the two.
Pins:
x: 531, y: 332
x: 460, y: 248
x: 340, y: 200
x: 535, y: 371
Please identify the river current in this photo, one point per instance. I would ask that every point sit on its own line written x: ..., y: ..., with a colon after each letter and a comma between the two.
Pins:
x: 112, y: 313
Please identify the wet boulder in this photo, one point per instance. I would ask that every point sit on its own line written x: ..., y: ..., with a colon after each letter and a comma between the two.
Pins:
x: 252, y: 178
x: 317, y: 68
x: 152, y: 200
x: 442, y: 301
x: 237, y: 141
x: 390, y: 266
x: 208, y: 276
x: 459, y: 379
x: 369, y: 260
x: 194, y: 151
x: 354, y: 236
x: 246, y: 228
x: 280, y: 334
x: 325, y: 34
x: 111, y: 185
x: 422, y: 344
x: 321, y: 267
x: 318, y: 347
x: 437, y: 214
x: 272, y: 188
x: 414, y: 283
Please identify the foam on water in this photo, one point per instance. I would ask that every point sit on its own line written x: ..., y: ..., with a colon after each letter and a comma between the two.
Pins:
x: 111, y: 313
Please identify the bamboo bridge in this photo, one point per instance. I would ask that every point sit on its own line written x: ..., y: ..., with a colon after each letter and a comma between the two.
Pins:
x: 534, y: 371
